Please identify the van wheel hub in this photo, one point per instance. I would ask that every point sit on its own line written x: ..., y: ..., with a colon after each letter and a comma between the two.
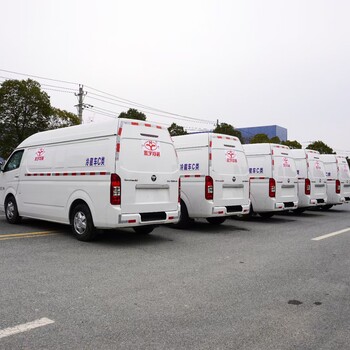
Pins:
x: 80, y: 222
x: 10, y: 210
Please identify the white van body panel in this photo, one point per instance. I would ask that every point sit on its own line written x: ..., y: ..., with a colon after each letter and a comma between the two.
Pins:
x: 337, y: 169
x: 310, y: 167
x: 222, y: 158
x: 62, y: 166
x: 266, y: 161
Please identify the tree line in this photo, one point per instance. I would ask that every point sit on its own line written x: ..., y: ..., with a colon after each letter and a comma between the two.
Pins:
x: 25, y: 109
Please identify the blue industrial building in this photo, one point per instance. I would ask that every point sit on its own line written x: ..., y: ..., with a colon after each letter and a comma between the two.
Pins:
x: 270, y: 130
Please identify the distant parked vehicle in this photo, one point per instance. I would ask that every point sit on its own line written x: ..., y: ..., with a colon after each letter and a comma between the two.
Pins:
x: 338, y: 179
x: 273, y: 178
x: 312, y: 181
x: 2, y: 161
x: 214, y: 177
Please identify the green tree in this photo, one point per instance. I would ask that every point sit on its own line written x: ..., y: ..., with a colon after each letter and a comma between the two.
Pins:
x: 60, y: 119
x: 133, y: 113
x: 176, y: 130
x: 321, y: 147
x: 260, y: 138
x: 227, y: 129
x: 275, y: 139
x: 292, y: 144
x: 24, y: 110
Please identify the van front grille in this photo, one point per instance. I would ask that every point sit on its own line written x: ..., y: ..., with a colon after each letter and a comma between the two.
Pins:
x: 157, y: 216
x: 288, y: 204
x: 234, y: 208
x: 319, y: 201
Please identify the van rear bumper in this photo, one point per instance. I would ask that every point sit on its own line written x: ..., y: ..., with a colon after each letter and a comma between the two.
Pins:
x: 115, y: 219
x: 156, y: 218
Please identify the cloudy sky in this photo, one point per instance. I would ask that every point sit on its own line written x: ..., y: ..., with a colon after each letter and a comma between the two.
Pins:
x: 243, y: 62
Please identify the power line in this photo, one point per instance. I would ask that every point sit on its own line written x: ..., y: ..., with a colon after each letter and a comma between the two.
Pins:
x: 39, y: 77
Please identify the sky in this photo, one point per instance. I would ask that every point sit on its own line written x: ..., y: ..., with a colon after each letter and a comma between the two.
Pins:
x: 242, y: 62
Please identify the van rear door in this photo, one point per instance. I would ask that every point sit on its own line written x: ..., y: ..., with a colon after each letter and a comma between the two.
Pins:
x: 148, y: 168
x: 285, y: 175
x: 317, y: 176
x: 229, y: 170
x: 344, y: 177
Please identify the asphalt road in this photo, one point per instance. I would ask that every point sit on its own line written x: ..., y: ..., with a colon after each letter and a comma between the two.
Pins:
x: 258, y: 284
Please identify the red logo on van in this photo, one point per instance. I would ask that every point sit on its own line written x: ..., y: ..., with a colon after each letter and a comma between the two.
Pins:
x: 231, y: 157
x: 286, y: 162
x: 151, y: 148
x: 40, y: 154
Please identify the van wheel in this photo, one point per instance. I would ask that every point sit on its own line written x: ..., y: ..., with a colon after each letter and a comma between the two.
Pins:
x: 11, y: 210
x: 266, y: 215
x: 326, y: 207
x: 143, y: 230
x: 184, y: 220
x: 82, y: 224
x: 216, y: 221
x: 299, y: 210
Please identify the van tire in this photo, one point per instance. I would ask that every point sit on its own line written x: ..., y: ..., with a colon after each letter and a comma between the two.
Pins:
x: 143, y: 230
x: 326, y: 207
x: 266, y: 215
x: 216, y: 220
x: 11, y: 210
x: 82, y: 224
x: 184, y: 219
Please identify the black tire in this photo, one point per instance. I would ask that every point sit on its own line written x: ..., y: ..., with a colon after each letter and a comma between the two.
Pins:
x: 217, y: 220
x: 11, y: 210
x: 326, y: 207
x: 266, y: 215
x: 82, y: 223
x: 144, y: 230
x: 184, y: 220
x: 298, y: 210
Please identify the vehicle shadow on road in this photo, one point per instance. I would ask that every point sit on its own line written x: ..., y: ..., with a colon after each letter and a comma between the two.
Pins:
x: 204, y: 227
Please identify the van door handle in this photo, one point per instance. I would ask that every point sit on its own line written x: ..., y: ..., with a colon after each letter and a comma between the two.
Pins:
x: 16, y: 176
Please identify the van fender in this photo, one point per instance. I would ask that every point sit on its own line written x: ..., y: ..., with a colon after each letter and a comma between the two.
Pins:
x: 9, y: 192
x: 187, y: 202
x: 81, y: 196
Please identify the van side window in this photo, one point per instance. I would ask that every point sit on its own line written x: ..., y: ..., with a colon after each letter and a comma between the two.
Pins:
x: 14, y: 161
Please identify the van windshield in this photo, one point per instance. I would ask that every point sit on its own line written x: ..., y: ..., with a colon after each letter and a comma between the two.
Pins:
x: 229, y: 161
x: 284, y: 166
x: 316, y: 169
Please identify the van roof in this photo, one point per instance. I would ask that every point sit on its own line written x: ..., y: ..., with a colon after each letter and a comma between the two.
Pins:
x: 302, y: 153
x: 200, y: 139
x: 77, y: 132
x: 262, y: 148
x: 330, y: 158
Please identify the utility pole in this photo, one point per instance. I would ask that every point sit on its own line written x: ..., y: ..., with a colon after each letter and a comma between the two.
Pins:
x: 81, y: 105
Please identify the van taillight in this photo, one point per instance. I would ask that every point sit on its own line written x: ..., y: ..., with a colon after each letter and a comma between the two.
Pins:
x: 337, y: 186
x: 272, y: 188
x: 307, y: 186
x: 179, y: 196
x: 116, y: 189
x: 209, y: 188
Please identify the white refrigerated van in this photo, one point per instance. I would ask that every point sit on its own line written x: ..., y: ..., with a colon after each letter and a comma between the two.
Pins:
x: 338, y: 179
x: 273, y: 178
x: 122, y: 173
x: 214, y: 177
x: 312, y: 181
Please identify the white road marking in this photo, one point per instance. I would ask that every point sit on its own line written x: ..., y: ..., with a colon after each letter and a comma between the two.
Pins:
x: 25, y: 327
x: 330, y: 234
